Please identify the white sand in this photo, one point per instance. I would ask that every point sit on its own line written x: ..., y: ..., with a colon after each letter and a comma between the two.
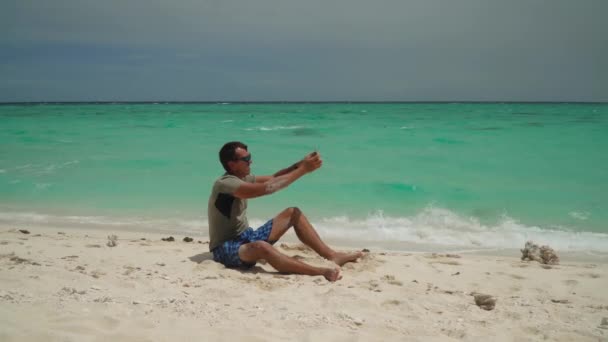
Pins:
x: 72, y: 287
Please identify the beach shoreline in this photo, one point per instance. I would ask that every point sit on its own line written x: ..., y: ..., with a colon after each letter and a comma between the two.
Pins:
x: 68, y: 284
x: 388, y: 246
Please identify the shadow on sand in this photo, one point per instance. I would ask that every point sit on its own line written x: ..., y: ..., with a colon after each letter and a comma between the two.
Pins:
x: 199, y: 258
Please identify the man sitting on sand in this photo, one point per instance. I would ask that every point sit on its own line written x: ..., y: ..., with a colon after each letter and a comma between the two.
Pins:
x: 235, y: 244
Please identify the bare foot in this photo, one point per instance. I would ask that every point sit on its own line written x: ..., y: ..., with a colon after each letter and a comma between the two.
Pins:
x: 342, y: 258
x: 332, y: 274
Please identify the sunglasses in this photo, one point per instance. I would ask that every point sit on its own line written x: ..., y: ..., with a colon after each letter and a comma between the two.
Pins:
x: 246, y: 159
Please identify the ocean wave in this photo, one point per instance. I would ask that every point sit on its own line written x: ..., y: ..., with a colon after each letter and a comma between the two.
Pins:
x: 137, y: 223
x: 432, y: 226
x: 439, y: 226
x: 42, y: 186
x: 44, y: 169
x: 273, y: 128
x: 579, y: 215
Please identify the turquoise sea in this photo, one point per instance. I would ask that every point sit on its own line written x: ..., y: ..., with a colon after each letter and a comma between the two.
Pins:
x: 474, y: 175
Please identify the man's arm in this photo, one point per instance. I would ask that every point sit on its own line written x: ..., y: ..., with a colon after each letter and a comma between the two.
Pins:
x: 264, y: 179
x: 287, y: 170
x: 274, y: 184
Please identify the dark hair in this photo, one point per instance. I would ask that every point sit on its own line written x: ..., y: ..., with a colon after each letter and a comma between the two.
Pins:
x: 227, y: 153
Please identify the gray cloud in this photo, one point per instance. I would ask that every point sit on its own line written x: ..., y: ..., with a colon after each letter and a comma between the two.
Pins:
x: 551, y: 50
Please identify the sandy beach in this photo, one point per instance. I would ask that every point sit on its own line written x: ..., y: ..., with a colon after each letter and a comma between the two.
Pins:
x: 69, y: 285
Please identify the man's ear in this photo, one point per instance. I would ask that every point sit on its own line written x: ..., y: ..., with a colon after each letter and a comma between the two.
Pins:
x: 230, y: 164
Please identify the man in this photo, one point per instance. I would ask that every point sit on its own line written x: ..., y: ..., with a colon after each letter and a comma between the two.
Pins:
x: 235, y: 244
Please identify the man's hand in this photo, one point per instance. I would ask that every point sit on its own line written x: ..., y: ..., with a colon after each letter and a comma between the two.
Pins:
x: 311, y: 162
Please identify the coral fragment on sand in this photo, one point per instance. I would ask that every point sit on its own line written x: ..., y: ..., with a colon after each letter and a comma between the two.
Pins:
x: 542, y: 254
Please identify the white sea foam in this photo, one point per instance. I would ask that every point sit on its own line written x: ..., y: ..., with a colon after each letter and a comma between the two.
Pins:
x: 432, y: 226
x: 25, y: 166
x: 43, y: 169
x: 52, y: 167
x: 443, y: 227
x: 181, y: 225
x: 42, y: 186
x: 579, y: 215
x: 273, y: 128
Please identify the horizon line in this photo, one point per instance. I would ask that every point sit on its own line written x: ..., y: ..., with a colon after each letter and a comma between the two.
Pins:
x: 294, y: 102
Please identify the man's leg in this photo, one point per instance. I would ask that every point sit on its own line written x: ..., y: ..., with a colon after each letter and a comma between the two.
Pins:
x: 293, y: 217
x: 254, y: 251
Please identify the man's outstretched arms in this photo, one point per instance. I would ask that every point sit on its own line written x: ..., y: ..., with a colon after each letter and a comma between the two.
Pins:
x: 266, y: 185
x: 264, y: 179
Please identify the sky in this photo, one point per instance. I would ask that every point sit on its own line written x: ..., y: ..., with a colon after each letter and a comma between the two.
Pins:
x: 313, y: 50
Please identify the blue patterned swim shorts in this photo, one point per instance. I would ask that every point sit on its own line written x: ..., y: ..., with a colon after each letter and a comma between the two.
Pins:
x: 228, y: 252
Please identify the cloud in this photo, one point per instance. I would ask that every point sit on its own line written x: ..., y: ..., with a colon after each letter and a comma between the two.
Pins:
x: 312, y: 50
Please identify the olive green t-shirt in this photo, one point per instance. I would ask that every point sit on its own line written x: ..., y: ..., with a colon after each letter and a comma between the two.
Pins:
x: 227, y: 214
